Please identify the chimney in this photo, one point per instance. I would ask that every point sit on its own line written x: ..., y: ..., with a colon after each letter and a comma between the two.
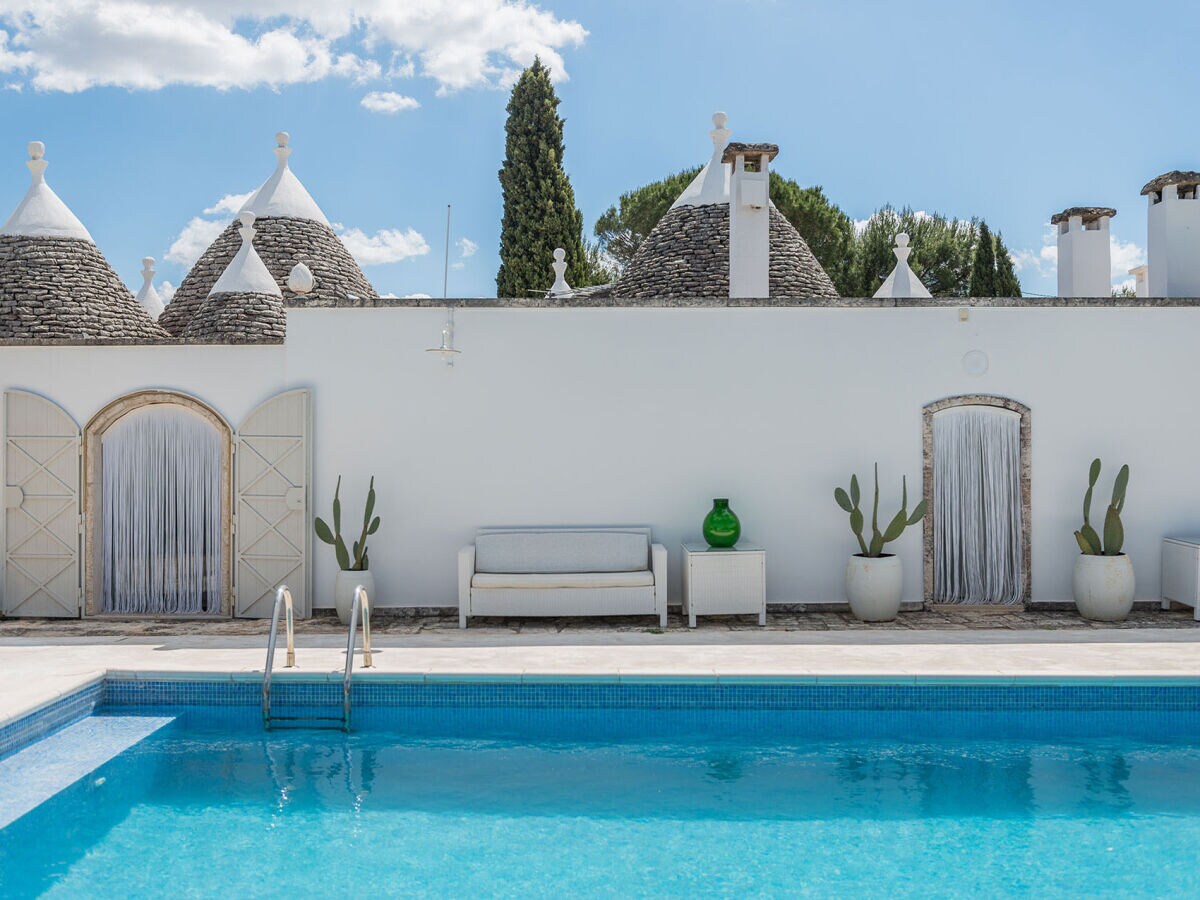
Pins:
x: 749, y: 219
x: 1084, y: 256
x: 1141, y: 286
x: 1173, y: 235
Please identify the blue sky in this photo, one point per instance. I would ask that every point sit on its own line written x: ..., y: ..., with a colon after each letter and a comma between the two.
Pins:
x: 152, y: 112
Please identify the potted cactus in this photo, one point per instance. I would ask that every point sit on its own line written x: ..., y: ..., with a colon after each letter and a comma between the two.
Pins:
x: 354, y: 563
x: 874, y: 579
x: 1103, y: 582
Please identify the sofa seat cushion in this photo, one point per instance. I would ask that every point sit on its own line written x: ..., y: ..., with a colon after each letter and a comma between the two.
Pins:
x: 561, y: 551
x: 563, y: 580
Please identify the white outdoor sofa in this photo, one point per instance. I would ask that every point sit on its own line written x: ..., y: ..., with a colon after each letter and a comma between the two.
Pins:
x: 562, y: 572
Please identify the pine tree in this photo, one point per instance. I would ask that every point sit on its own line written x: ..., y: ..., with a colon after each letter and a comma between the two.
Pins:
x: 983, y: 267
x: 1007, y: 284
x: 539, y: 204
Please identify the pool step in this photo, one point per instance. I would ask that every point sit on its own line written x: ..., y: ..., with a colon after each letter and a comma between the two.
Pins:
x: 335, y: 723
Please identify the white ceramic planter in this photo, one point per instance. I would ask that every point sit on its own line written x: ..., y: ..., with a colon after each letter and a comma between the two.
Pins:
x: 875, y: 587
x: 1103, y: 587
x: 343, y: 592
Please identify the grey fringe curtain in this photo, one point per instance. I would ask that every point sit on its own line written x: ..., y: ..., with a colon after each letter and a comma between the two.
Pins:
x: 161, y: 514
x: 977, y: 506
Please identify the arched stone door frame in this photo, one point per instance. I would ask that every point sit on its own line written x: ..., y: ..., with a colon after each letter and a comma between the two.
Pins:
x: 93, y: 491
x: 992, y: 400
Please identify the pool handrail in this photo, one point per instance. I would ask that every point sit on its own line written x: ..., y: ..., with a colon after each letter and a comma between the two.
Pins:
x: 360, y: 610
x: 283, y: 597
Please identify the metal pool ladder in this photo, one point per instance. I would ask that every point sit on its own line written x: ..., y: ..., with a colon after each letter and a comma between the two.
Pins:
x: 360, y: 612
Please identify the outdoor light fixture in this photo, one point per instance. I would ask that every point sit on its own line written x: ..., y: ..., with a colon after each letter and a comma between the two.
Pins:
x: 447, y: 350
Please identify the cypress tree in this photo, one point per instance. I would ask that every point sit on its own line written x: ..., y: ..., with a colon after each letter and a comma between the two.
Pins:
x: 983, y: 266
x: 1007, y: 284
x: 539, y: 204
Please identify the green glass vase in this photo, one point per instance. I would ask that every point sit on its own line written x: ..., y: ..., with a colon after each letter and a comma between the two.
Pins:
x: 721, y: 525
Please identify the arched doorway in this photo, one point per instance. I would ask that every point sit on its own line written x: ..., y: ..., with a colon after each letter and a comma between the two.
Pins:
x: 157, y: 507
x: 977, y: 493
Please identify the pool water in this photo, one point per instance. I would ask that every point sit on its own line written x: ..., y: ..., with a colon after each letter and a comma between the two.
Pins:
x: 447, y: 802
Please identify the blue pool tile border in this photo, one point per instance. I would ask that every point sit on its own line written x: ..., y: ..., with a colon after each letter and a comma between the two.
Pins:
x: 971, y: 696
x: 121, y: 691
x: 54, y: 715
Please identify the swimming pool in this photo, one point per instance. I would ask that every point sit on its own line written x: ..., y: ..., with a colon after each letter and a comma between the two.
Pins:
x: 477, y: 789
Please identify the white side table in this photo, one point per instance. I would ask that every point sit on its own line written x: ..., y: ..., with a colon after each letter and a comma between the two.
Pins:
x: 724, y: 581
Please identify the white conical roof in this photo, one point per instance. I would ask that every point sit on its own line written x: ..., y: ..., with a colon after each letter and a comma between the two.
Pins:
x: 148, y: 296
x: 282, y: 195
x: 711, y: 184
x: 246, y: 273
x: 41, y: 213
x: 903, y: 282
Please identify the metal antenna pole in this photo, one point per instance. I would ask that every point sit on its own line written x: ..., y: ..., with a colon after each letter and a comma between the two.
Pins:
x: 446, y: 266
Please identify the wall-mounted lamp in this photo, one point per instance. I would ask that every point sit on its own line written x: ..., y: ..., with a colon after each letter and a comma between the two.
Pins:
x: 447, y: 351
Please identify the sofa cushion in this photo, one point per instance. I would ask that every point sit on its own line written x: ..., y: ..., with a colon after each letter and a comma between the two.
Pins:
x: 564, y: 580
x: 511, y: 552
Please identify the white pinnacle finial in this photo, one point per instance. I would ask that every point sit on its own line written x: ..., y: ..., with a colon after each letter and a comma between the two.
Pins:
x: 719, y: 134
x: 300, y: 280
x: 902, y: 249
x: 282, y: 150
x: 559, y: 265
x: 148, y: 296
x: 36, y: 164
x: 247, y: 219
x: 246, y: 272
x: 903, y: 281
x: 41, y: 213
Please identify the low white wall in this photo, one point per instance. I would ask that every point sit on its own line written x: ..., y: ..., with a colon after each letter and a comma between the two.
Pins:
x: 643, y: 415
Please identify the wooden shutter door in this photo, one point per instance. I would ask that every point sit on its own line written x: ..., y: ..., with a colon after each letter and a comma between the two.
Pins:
x: 271, y: 476
x: 41, y: 499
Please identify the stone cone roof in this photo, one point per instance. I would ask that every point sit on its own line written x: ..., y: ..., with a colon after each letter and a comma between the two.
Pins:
x: 281, y: 243
x: 687, y: 255
x: 238, y: 318
x: 63, y: 290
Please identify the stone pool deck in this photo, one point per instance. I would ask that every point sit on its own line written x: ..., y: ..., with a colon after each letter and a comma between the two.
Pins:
x: 44, y: 660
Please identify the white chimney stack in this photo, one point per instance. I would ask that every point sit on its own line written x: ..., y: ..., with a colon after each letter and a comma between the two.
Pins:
x: 1084, y: 255
x: 1173, y: 235
x: 749, y: 218
x: 1141, y: 285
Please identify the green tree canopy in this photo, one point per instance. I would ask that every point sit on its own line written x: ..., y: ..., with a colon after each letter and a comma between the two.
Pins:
x: 942, y: 250
x: 827, y: 230
x: 1007, y: 283
x: 539, y: 203
x: 983, y: 266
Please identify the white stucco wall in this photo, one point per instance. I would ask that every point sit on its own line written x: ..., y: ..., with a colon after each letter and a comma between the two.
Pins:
x: 643, y: 415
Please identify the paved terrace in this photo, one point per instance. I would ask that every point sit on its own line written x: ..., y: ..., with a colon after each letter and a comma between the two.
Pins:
x: 43, y: 660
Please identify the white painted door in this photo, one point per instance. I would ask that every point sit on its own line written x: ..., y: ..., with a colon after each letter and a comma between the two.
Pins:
x: 271, y: 531
x: 41, y: 516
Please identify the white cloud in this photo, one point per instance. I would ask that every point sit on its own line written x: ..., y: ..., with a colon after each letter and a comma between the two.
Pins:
x: 388, y: 102
x: 860, y: 225
x: 193, y: 240
x: 1125, y: 256
x: 229, y: 204
x: 73, y: 45
x: 416, y: 297
x: 467, y: 247
x: 166, y: 291
x: 388, y: 245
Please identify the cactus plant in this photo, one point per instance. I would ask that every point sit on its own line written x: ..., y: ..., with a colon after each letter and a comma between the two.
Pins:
x: 358, y: 560
x: 895, y: 528
x: 1089, y: 541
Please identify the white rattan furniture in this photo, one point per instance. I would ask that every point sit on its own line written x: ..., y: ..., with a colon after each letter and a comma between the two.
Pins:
x: 724, y: 581
x: 562, y: 572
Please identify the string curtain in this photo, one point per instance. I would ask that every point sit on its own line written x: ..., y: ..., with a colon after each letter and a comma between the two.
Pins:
x: 977, y: 506
x: 161, y: 514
